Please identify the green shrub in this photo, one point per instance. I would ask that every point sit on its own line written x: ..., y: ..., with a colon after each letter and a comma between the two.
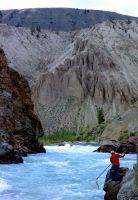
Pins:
x: 123, y: 135
x: 100, y: 115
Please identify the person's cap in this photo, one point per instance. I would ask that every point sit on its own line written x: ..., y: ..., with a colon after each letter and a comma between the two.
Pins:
x: 112, y: 152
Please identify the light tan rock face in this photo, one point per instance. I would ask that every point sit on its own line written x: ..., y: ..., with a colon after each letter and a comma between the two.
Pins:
x: 72, y: 73
x: 18, y: 123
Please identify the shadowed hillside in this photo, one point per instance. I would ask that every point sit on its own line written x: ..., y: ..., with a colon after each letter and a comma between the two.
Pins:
x: 58, y: 19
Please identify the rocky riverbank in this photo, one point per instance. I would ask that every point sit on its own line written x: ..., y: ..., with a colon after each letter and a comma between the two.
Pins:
x: 125, y: 146
x: 127, y: 189
x: 19, y: 126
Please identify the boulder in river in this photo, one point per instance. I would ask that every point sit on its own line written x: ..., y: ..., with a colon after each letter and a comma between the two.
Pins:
x: 8, y: 154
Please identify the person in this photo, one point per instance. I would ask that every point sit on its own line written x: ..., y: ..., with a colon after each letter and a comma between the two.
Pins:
x: 114, y: 171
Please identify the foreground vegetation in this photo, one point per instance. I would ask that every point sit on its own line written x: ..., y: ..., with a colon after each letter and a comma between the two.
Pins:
x: 72, y: 136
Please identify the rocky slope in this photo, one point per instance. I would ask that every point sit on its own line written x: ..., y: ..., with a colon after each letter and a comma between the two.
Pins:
x: 58, y: 19
x: 19, y: 126
x: 129, y: 189
x: 126, y: 122
x: 71, y: 74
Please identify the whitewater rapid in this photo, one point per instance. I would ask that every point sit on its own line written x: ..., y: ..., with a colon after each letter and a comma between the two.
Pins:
x: 64, y: 173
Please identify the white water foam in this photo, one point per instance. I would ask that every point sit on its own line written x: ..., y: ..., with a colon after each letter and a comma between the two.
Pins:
x: 64, y: 172
x: 68, y: 148
x: 57, y: 163
x: 4, y: 185
x: 73, y: 193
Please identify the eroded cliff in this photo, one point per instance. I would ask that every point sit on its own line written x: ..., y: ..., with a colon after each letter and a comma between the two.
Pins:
x: 71, y: 74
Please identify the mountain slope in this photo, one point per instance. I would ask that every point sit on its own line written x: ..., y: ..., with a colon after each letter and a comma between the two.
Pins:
x: 58, y: 19
x: 71, y: 74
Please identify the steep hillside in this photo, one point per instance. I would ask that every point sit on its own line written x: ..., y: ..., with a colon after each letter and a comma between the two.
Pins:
x: 58, y: 19
x: 19, y: 125
x: 71, y: 74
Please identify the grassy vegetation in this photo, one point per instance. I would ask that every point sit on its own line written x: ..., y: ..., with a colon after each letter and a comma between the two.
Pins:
x: 64, y: 135
x: 57, y: 137
x: 124, y: 135
x: 84, y: 134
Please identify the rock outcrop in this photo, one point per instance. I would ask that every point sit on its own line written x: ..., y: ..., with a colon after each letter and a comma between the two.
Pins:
x: 71, y: 74
x: 112, y: 191
x: 112, y: 187
x: 19, y: 126
x: 58, y: 19
x: 128, y: 146
x: 128, y: 190
x: 125, y: 189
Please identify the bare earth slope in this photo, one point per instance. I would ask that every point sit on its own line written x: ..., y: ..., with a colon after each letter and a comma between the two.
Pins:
x: 72, y: 73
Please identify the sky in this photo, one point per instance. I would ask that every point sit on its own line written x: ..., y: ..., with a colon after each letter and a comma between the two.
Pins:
x: 128, y: 7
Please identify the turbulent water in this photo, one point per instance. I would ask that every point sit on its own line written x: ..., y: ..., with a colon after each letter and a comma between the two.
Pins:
x: 63, y: 173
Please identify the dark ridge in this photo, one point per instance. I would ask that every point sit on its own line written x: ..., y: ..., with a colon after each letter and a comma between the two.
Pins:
x: 58, y: 19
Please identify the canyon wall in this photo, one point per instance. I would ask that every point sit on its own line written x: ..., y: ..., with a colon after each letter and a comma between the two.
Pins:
x: 19, y: 126
x: 71, y: 74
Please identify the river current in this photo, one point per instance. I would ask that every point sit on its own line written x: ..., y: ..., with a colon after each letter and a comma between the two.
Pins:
x: 63, y: 173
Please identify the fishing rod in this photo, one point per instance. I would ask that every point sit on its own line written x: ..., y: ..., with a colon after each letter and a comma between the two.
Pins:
x: 101, y: 175
x: 103, y: 171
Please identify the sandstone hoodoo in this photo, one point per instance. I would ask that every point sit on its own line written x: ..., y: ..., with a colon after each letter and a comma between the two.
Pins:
x: 19, y: 126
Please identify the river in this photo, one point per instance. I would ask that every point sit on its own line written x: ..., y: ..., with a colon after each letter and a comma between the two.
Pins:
x: 63, y: 173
